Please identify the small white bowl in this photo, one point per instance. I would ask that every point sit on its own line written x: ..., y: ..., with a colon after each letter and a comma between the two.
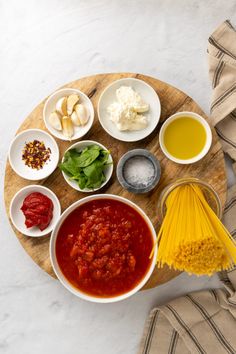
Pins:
x: 208, y: 137
x: 18, y: 218
x: 50, y: 106
x: 108, y: 170
x: 15, y: 154
x: 63, y: 279
x: 149, y: 95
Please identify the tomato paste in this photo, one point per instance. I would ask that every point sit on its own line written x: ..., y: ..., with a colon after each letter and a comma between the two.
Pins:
x: 38, y: 210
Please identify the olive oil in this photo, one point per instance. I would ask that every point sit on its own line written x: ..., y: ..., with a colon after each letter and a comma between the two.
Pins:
x: 184, y: 138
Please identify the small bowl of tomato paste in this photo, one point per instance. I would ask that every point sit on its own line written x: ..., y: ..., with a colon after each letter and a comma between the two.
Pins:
x: 100, y: 248
x: 35, y: 210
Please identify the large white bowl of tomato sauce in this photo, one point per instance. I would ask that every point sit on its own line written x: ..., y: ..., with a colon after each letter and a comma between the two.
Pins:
x: 100, y: 248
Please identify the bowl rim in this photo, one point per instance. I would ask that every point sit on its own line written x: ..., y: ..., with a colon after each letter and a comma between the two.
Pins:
x: 205, y: 125
x: 39, y: 188
x: 61, y: 90
x: 56, y: 160
x: 74, y: 146
x: 56, y: 266
x: 101, y: 97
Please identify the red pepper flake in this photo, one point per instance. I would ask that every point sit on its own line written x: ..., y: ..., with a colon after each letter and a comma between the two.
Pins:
x: 35, y: 154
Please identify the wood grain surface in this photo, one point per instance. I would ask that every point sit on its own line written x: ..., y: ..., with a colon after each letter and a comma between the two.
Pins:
x: 210, y: 169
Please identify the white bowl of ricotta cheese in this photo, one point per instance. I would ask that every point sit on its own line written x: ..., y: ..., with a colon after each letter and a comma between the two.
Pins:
x: 129, y: 109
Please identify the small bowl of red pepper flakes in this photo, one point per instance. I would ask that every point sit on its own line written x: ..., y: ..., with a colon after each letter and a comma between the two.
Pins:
x: 33, y: 154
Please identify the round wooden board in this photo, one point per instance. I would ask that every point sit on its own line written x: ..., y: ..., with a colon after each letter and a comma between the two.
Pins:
x: 210, y: 169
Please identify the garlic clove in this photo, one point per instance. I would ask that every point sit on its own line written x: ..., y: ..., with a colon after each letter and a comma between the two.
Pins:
x: 75, y: 119
x: 82, y: 113
x: 71, y: 102
x: 55, y: 120
x: 67, y: 127
x: 61, y: 106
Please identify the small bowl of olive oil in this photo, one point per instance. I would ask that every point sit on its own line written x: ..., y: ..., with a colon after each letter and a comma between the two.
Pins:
x: 185, y: 137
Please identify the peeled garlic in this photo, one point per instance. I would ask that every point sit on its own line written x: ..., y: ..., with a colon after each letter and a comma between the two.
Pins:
x: 67, y: 126
x: 82, y: 113
x: 55, y: 121
x: 75, y: 119
x: 71, y: 102
x: 61, y: 106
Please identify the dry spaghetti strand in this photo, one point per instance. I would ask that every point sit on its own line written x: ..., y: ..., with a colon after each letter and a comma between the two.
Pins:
x: 192, y: 238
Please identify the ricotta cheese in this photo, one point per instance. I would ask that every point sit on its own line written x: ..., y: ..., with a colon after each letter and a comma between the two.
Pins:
x: 125, y: 113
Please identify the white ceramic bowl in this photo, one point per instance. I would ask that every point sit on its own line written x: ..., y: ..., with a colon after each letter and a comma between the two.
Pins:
x: 208, y: 137
x: 58, y: 271
x: 15, y: 154
x: 50, y: 106
x: 18, y: 218
x: 149, y: 95
x: 108, y: 170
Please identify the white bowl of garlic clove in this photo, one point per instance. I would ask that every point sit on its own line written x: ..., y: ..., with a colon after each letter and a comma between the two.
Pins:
x: 68, y: 114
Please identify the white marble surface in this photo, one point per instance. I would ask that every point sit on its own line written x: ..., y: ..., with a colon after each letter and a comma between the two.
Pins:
x: 45, y: 44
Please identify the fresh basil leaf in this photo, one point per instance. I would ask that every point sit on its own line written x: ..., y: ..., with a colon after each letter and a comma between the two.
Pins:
x: 104, y: 156
x: 94, y: 170
x: 74, y: 154
x: 70, y: 166
x: 87, y: 157
x: 94, y: 147
x: 96, y: 184
x: 64, y: 169
x: 82, y: 181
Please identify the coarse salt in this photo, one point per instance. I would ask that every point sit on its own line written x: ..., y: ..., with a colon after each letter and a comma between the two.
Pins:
x: 139, y: 172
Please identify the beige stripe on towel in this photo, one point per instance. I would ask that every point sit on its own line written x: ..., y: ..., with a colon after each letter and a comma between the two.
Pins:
x: 222, y: 69
x: 205, y: 322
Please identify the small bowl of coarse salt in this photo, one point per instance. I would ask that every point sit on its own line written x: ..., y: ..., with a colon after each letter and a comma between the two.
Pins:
x: 138, y: 171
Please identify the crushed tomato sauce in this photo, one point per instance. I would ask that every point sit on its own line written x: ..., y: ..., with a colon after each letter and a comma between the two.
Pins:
x: 103, y: 248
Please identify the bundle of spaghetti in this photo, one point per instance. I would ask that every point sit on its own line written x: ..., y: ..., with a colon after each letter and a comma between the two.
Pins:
x: 192, y: 238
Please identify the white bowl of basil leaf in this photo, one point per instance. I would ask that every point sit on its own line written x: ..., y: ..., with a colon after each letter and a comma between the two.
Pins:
x: 87, y: 166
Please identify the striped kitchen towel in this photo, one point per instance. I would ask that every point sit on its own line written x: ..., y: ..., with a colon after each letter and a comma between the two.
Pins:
x: 222, y: 69
x: 205, y: 322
